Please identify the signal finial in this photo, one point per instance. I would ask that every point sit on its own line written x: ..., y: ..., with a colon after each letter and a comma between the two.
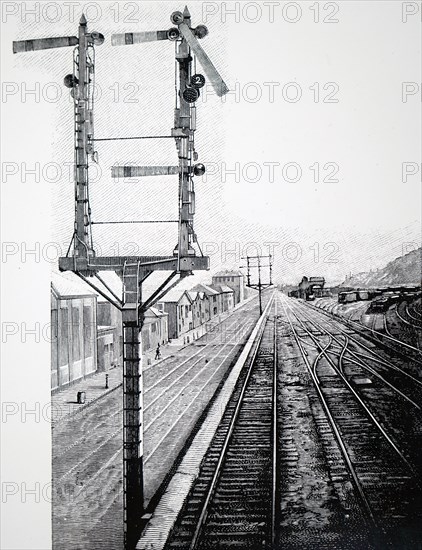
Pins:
x: 82, y: 20
x: 186, y: 13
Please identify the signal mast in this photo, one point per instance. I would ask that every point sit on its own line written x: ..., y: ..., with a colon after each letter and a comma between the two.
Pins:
x: 134, y: 270
x: 81, y: 82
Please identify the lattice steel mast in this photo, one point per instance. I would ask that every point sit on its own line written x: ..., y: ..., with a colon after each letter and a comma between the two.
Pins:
x: 134, y: 270
x: 81, y: 85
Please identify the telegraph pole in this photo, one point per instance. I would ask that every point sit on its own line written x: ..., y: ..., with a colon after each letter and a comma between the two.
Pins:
x: 255, y: 262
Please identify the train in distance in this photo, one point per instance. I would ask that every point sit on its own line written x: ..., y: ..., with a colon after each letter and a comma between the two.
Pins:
x: 382, y: 297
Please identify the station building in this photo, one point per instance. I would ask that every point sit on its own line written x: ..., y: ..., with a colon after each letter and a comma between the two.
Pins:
x: 178, y: 304
x: 212, y: 298
x: 154, y: 329
x: 225, y: 298
x: 234, y: 280
x: 73, y: 331
x: 307, y: 286
x: 109, y: 326
x: 86, y: 329
x: 200, y: 307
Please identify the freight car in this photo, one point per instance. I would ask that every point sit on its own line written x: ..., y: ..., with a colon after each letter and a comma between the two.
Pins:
x: 363, y: 295
x: 347, y: 297
x: 384, y: 302
x: 379, y: 305
x: 358, y: 295
x: 410, y: 296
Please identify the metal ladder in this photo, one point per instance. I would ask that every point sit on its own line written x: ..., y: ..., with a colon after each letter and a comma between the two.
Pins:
x: 131, y: 291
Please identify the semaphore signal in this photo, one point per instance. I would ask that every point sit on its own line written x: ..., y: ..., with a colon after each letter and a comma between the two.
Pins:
x: 134, y: 270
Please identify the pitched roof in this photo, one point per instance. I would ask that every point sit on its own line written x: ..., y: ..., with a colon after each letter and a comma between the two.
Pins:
x: 225, y: 288
x: 229, y: 273
x: 175, y: 295
x: 222, y: 289
x: 155, y: 313
x: 208, y: 290
x: 69, y: 284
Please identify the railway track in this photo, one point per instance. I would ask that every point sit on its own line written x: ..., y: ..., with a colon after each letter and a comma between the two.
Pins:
x: 245, y: 491
x: 407, y: 318
x: 390, y: 379
x: 386, y: 481
x: 234, y: 500
x: 87, y: 449
x: 413, y: 313
x: 393, y: 345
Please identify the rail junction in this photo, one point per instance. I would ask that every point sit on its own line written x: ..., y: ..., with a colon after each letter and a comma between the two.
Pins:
x: 318, y: 446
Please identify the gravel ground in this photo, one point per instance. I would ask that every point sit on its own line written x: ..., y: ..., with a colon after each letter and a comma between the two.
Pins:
x: 318, y: 506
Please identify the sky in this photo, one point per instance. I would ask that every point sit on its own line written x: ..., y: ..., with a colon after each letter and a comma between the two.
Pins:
x: 313, y: 156
x: 304, y: 155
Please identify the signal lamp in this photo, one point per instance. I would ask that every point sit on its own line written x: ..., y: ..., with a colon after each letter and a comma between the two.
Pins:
x: 190, y: 95
x: 200, y: 31
x: 97, y: 38
x: 70, y: 81
x: 173, y: 33
x: 199, y: 169
x: 176, y: 17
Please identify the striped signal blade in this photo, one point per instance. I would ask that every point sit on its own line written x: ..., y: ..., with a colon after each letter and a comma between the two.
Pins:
x: 213, y: 75
x: 139, y: 171
x: 137, y: 37
x: 44, y: 43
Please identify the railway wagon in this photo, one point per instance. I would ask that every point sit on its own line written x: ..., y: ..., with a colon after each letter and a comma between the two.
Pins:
x: 362, y: 295
x: 411, y: 296
x: 379, y: 305
x: 383, y: 303
x: 392, y: 297
x: 347, y: 297
x: 411, y: 289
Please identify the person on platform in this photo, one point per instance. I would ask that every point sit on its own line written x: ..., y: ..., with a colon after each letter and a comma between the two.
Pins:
x: 158, y: 352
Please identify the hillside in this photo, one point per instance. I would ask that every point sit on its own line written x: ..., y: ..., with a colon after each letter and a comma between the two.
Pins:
x: 403, y: 270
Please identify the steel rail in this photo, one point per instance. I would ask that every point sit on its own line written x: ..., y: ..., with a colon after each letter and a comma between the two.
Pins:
x: 360, y: 363
x: 320, y: 354
x: 211, y: 490
x: 374, y: 331
x: 336, y: 431
x: 275, y: 466
x: 378, y: 375
x: 400, y: 316
x: 361, y: 328
x: 378, y: 358
x: 415, y: 315
x: 361, y: 402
